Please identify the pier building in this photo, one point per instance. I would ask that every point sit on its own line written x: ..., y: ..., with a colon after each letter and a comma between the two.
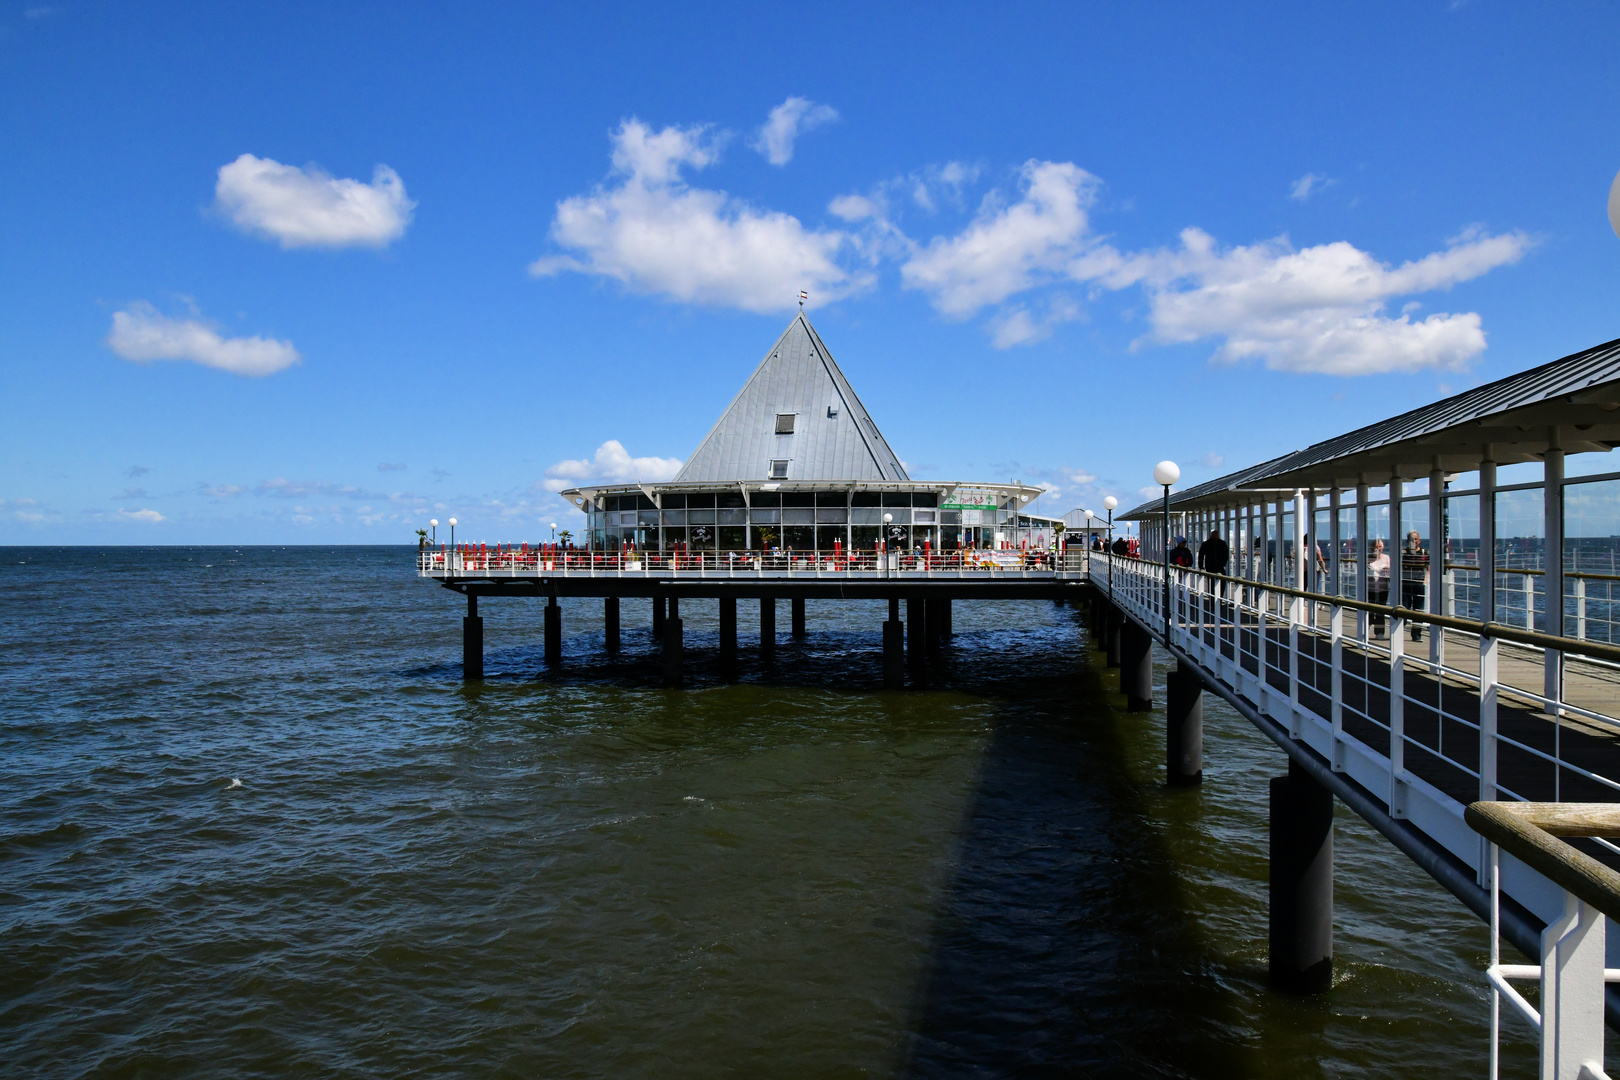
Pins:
x: 797, y: 464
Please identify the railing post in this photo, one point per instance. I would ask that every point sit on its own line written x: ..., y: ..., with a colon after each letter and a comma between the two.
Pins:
x: 1397, y: 716
x: 1572, y: 991
x: 1580, y: 608
x: 1262, y: 621
x: 1487, y: 734
x: 1336, y: 630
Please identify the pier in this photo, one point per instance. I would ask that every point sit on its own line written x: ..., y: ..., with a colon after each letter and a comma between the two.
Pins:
x: 1402, y: 609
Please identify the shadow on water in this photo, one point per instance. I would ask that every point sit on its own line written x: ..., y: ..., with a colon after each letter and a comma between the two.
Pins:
x: 1061, y: 948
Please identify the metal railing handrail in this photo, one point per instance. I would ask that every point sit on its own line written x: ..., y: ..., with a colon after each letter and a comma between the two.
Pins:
x: 1498, y: 631
x: 1532, y: 833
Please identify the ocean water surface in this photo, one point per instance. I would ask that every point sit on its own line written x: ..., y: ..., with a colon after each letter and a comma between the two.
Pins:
x: 252, y: 823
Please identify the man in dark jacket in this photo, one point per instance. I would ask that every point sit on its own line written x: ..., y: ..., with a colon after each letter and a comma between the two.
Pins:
x: 1181, y: 555
x: 1121, y: 547
x: 1214, y: 554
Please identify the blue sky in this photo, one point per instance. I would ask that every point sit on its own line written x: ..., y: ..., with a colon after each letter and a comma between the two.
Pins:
x: 287, y: 274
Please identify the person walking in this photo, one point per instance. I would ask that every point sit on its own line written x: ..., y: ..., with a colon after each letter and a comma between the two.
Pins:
x: 1378, y: 583
x: 1414, y: 577
x: 1214, y: 554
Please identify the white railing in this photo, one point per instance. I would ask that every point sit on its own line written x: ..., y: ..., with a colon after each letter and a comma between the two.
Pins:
x: 507, y: 562
x: 1461, y: 713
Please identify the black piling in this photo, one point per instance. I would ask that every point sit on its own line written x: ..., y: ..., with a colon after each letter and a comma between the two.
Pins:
x: 894, y: 648
x: 728, y: 632
x: 1184, y: 728
x: 1136, y: 667
x: 658, y: 618
x: 472, y: 642
x: 674, y: 644
x: 767, y: 626
x: 610, y: 621
x: 553, y: 631
x: 1301, y: 883
x: 798, y: 616
x: 916, y: 629
x: 1113, y: 623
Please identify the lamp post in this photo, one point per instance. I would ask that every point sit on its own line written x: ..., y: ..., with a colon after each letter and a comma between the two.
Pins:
x: 434, y: 522
x: 1166, y: 473
x: 884, y: 551
x: 553, y: 532
x: 1110, y: 504
x: 1086, y: 539
x: 452, y: 539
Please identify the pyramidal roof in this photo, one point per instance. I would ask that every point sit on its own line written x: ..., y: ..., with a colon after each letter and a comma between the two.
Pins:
x: 832, y: 436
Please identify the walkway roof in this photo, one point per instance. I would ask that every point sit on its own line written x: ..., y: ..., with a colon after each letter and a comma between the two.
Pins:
x: 1507, y: 421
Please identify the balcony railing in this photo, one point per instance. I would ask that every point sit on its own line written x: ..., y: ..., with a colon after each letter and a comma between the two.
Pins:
x: 503, y: 562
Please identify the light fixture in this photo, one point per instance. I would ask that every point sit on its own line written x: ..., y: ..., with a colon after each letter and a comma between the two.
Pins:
x: 1166, y: 473
x: 1110, y: 504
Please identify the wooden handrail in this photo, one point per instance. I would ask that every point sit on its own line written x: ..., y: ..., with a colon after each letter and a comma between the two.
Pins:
x: 1530, y: 832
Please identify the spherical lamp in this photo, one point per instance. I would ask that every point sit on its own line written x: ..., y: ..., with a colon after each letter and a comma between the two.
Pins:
x: 1166, y: 473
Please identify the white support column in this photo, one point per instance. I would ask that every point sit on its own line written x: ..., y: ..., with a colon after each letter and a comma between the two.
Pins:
x: 1334, y: 571
x: 1437, y: 559
x: 1279, y: 574
x: 1487, y: 538
x: 1397, y: 491
x: 1296, y: 615
x: 1572, y: 992
x: 1552, y: 579
x: 1360, y: 591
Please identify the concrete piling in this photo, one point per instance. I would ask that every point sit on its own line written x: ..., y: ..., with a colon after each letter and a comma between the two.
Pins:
x: 1301, y: 883
x: 1136, y: 667
x: 894, y: 648
x: 728, y: 631
x: 1184, y: 728
x: 472, y: 642
x: 553, y: 631
x: 674, y: 644
x: 916, y: 629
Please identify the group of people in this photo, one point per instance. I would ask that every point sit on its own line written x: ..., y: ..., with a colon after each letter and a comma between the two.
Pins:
x: 1215, y: 555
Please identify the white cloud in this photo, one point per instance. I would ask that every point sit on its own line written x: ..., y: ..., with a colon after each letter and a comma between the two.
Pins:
x: 141, y: 334
x: 650, y: 231
x: 1008, y: 249
x: 1016, y: 326
x: 786, y: 123
x: 302, y: 489
x: 1211, y: 460
x: 1307, y: 185
x: 612, y: 463
x: 220, y: 491
x: 307, y: 208
x: 145, y: 517
x: 853, y: 208
x: 1320, y: 309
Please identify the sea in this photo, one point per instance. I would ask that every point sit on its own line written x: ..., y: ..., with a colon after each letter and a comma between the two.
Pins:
x: 254, y: 823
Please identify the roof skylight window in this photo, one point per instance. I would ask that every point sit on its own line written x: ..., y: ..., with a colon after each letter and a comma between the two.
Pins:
x: 784, y: 423
x: 779, y: 469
